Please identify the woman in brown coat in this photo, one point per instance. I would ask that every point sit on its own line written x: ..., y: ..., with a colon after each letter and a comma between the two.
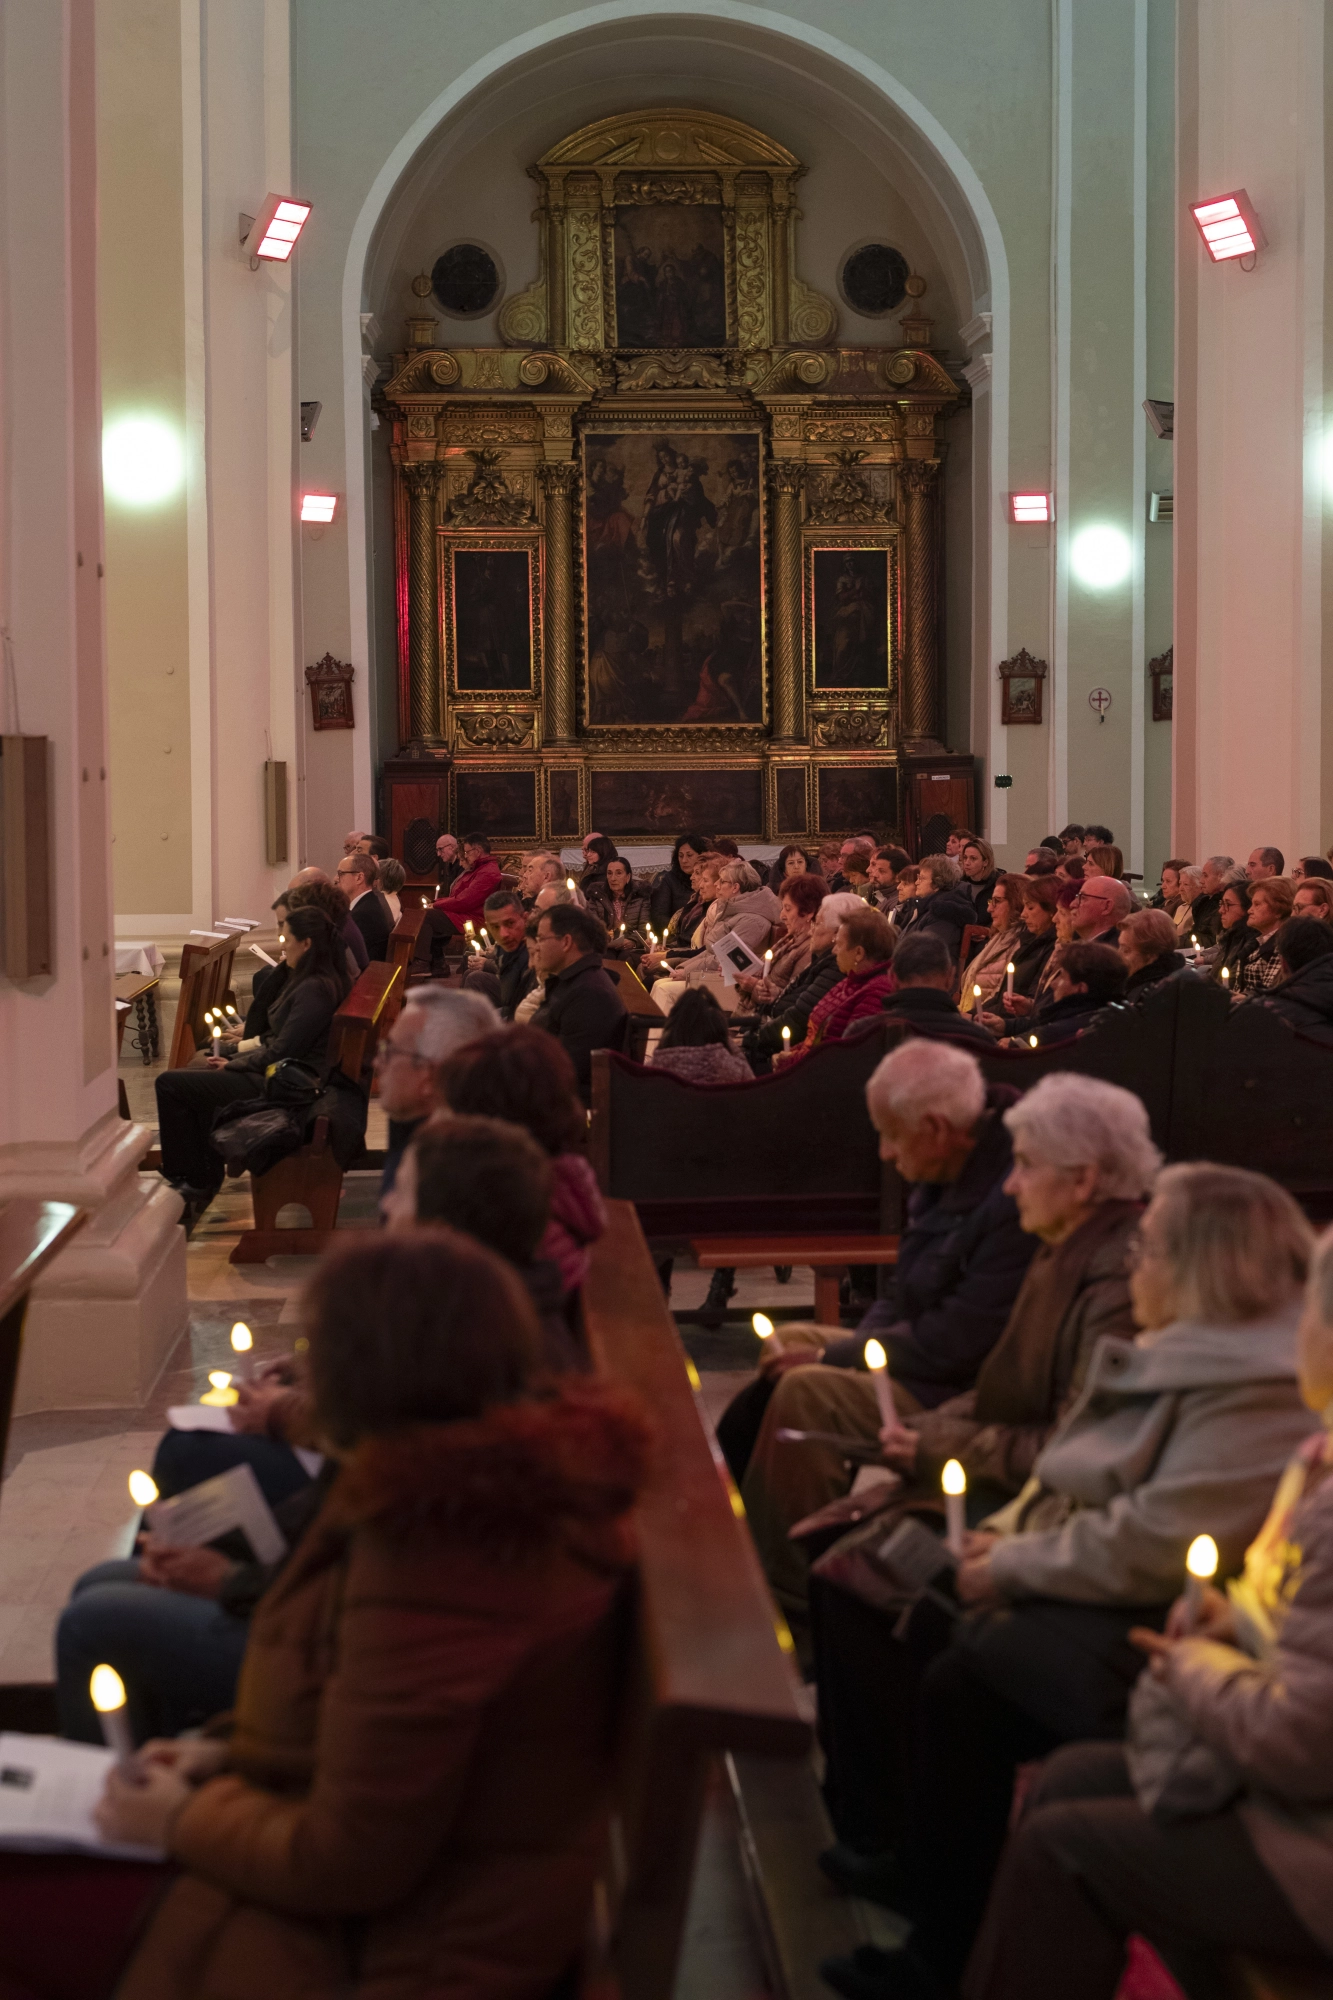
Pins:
x: 411, y: 1798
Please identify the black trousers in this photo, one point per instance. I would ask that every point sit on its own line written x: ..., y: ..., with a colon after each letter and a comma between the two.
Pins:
x: 1086, y: 1867
x: 187, y: 1100
x: 433, y: 936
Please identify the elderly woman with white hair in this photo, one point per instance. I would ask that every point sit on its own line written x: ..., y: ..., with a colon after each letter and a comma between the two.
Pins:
x: 741, y: 904
x: 1244, y: 1692
x: 1084, y: 1163
x: 1182, y: 1432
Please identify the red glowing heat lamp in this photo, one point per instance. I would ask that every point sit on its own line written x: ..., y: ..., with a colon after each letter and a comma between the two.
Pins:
x: 273, y: 233
x: 318, y: 506
x: 1027, y: 508
x: 1229, y: 226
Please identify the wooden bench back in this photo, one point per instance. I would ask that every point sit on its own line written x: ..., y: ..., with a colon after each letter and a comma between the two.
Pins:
x: 708, y: 1667
x: 206, y: 975
x: 358, y: 1022
x: 792, y: 1150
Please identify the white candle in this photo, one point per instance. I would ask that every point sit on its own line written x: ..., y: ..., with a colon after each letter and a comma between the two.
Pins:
x: 954, y: 1481
x: 242, y: 1344
x: 786, y: 1039
x: 219, y: 1394
x: 976, y: 992
x: 143, y: 1489
x: 108, y: 1697
x: 1201, y: 1563
x: 763, y: 1327
x: 1226, y: 975
x: 877, y: 1361
x: 1009, y: 979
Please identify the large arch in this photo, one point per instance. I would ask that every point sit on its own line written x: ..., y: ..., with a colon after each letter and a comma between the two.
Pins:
x: 881, y: 104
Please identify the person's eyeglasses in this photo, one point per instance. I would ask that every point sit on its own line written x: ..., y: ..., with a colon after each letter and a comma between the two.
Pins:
x: 386, y: 1052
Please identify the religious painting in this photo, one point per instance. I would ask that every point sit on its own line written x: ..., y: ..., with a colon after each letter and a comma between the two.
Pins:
x: 1021, y: 681
x: 851, y: 607
x: 673, y: 577
x: 660, y: 803
x: 491, y: 618
x: 495, y: 803
x: 563, y: 784
x: 858, y: 795
x: 792, y: 809
x: 670, y: 275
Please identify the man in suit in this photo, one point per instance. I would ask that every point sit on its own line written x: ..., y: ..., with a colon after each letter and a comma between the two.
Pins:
x: 370, y: 913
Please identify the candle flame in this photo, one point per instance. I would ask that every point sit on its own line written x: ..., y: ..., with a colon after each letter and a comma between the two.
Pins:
x: 876, y: 1358
x: 218, y: 1378
x: 762, y: 1325
x: 953, y: 1478
x: 1010, y: 966
x: 1226, y: 975
x: 107, y: 1690
x: 242, y: 1340
x: 143, y: 1489
x: 976, y: 992
x: 1032, y: 1041
x: 1201, y: 1559
x: 467, y: 924
x: 786, y: 1034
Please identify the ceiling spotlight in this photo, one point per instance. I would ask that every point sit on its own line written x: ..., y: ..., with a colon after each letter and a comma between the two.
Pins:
x: 1228, y: 226
x: 318, y: 506
x: 273, y: 232
x: 1101, y: 557
x: 1030, y: 507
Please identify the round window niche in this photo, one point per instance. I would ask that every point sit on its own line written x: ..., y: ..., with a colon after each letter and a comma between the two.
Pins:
x: 873, y: 279
x: 466, y: 280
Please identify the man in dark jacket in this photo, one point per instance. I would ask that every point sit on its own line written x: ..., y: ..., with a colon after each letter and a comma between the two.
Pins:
x: 942, y: 907
x: 1305, y: 997
x: 961, y: 1260
x: 923, y: 1000
x: 507, y: 928
x: 370, y: 914
x: 583, y: 1008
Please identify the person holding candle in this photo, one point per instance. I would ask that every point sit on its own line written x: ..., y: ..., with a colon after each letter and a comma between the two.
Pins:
x: 987, y: 968
x: 799, y: 902
x: 1083, y: 1162
x: 1182, y: 1432
x: 414, y: 1783
x: 924, y: 976
x: 784, y: 1020
x: 1252, y: 1680
x: 673, y: 889
x: 1033, y: 958
x: 1236, y: 941
x: 617, y: 899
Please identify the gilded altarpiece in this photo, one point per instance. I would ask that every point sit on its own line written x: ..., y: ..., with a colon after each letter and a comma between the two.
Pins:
x: 670, y: 556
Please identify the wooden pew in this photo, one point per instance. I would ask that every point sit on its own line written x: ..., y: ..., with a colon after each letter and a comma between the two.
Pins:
x: 793, y: 1151
x: 206, y: 974
x: 709, y: 1670
x: 644, y: 1012
x: 311, y: 1176
x: 402, y: 945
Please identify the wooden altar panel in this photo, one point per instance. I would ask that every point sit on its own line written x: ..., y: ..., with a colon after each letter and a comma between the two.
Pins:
x: 497, y: 803
x: 659, y: 802
x: 857, y: 795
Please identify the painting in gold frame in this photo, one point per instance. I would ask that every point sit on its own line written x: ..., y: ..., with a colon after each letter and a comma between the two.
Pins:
x: 491, y: 613
x: 673, y: 575
x: 851, y: 590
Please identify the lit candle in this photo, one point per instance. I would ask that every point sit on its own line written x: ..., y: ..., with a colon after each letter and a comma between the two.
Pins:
x: 143, y: 1489
x: 976, y: 992
x: 467, y: 925
x: 1009, y: 979
x: 108, y: 1696
x: 569, y: 883
x: 786, y: 1040
x: 622, y: 930
x: 1194, y: 940
x: 208, y: 1015
x: 232, y: 1011
x: 877, y: 1361
x: 242, y: 1344
x: 1226, y: 975
x: 768, y: 958
x: 219, y: 1393
x: 1032, y: 1041
x: 1201, y: 1562
x: 217, y: 1037
x: 954, y: 1481
x: 763, y: 1327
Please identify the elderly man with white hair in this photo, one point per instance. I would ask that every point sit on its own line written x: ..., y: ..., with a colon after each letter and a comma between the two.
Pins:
x: 435, y: 1021
x: 1084, y: 1162
x: 961, y: 1260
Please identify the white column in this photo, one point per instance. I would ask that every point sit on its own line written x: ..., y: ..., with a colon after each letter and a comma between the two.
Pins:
x: 1250, y: 429
x: 104, y: 1318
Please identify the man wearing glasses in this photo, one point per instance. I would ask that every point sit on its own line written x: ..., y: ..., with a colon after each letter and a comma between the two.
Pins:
x: 434, y: 1022
x: 1102, y: 905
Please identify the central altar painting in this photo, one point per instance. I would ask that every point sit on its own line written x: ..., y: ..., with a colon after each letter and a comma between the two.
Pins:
x: 674, y: 585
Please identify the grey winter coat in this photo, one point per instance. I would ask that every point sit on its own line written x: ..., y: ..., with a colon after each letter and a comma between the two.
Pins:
x: 1179, y: 1433
x: 751, y: 915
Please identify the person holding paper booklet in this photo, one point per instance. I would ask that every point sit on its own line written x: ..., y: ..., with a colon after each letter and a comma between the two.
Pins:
x: 741, y: 904
x: 412, y: 1790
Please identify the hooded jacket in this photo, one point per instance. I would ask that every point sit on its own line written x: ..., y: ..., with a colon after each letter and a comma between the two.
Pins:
x: 1179, y: 1433
x: 416, y: 1795
x: 1306, y: 999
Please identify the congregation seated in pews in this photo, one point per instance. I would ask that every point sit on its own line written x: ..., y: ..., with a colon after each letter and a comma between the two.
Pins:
x: 1092, y: 1357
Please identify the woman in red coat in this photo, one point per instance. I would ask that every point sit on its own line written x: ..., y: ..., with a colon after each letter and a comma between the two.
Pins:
x: 863, y: 948
x: 410, y: 1797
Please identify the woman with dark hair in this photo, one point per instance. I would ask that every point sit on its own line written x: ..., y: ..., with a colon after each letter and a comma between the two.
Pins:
x: 619, y: 901
x: 412, y: 1793
x: 672, y: 890
x: 1088, y: 978
x: 525, y: 1076
x: 597, y: 850
x: 1033, y: 952
x: 694, y: 1043
x: 299, y: 1020
x: 792, y: 860
x: 985, y: 973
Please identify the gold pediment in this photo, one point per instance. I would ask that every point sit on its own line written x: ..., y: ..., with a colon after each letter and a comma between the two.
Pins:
x: 675, y: 139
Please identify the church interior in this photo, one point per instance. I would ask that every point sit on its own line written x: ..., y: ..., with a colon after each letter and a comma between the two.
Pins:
x: 666, y: 974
